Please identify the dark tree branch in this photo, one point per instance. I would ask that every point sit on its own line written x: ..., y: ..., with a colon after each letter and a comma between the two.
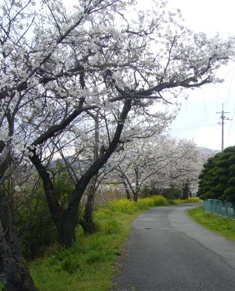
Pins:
x: 59, y: 127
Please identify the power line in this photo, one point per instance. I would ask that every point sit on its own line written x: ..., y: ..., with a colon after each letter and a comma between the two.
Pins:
x: 223, y: 118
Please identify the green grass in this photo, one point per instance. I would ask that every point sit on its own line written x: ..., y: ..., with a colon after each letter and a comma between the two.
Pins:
x: 90, y: 263
x: 189, y: 200
x: 221, y: 225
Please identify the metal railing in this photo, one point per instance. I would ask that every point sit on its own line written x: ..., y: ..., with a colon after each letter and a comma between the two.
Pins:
x: 218, y: 207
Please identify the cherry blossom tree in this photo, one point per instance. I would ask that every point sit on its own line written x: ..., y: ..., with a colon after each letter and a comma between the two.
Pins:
x: 147, y: 125
x: 185, y: 167
x: 58, y: 65
x: 160, y: 162
x: 140, y: 163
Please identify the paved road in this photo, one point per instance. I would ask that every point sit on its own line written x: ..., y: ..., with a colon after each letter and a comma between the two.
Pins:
x: 167, y: 250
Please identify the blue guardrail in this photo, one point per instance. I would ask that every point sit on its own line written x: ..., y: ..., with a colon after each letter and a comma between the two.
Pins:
x: 222, y: 208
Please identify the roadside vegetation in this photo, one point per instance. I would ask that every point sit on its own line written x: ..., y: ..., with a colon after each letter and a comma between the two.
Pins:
x: 93, y: 259
x: 221, y: 225
x: 91, y: 262
x: 216, y: 180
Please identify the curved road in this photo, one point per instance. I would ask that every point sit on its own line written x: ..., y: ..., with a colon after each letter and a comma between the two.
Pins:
x: 167, y: 250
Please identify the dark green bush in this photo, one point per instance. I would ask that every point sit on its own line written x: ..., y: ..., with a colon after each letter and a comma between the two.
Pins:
x: 217, y: 179
x: 36, y: 229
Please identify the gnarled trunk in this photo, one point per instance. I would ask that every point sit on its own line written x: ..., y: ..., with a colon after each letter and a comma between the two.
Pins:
x: 67, y: 227
x: 66, y: 220
x: 87, y: 222
x: 14, y: 273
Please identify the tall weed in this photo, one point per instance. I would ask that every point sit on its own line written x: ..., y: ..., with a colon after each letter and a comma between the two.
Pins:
x: 122, y: 205
x: 189, y: 200
x: 160, y: 200
x: 145, y: 203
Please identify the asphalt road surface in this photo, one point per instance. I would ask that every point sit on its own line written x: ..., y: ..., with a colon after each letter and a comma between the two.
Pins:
x: 167, y: 250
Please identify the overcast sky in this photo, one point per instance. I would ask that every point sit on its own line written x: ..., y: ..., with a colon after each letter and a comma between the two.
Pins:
x: 198, y: 119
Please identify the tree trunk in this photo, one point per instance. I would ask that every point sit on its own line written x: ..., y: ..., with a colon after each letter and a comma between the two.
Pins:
x: 87, y: 222
x: 67, y: 227
x: 128, y: 195
x: 14, y: 273
x: 136, y: 196
x: 185, y: 190
x: 67, y: 220
x: 126, y: 183
x: 137, y: 184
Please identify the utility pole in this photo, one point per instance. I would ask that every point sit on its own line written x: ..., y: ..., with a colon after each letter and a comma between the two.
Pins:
x: 223, y: 118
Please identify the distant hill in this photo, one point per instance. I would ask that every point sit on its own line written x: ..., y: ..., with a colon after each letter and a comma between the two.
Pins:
x: 207, y: 150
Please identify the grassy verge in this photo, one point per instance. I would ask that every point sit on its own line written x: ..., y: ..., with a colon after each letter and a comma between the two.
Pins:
x: 221, y: 225
x: 92, y: 261
x: 180, y: 201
